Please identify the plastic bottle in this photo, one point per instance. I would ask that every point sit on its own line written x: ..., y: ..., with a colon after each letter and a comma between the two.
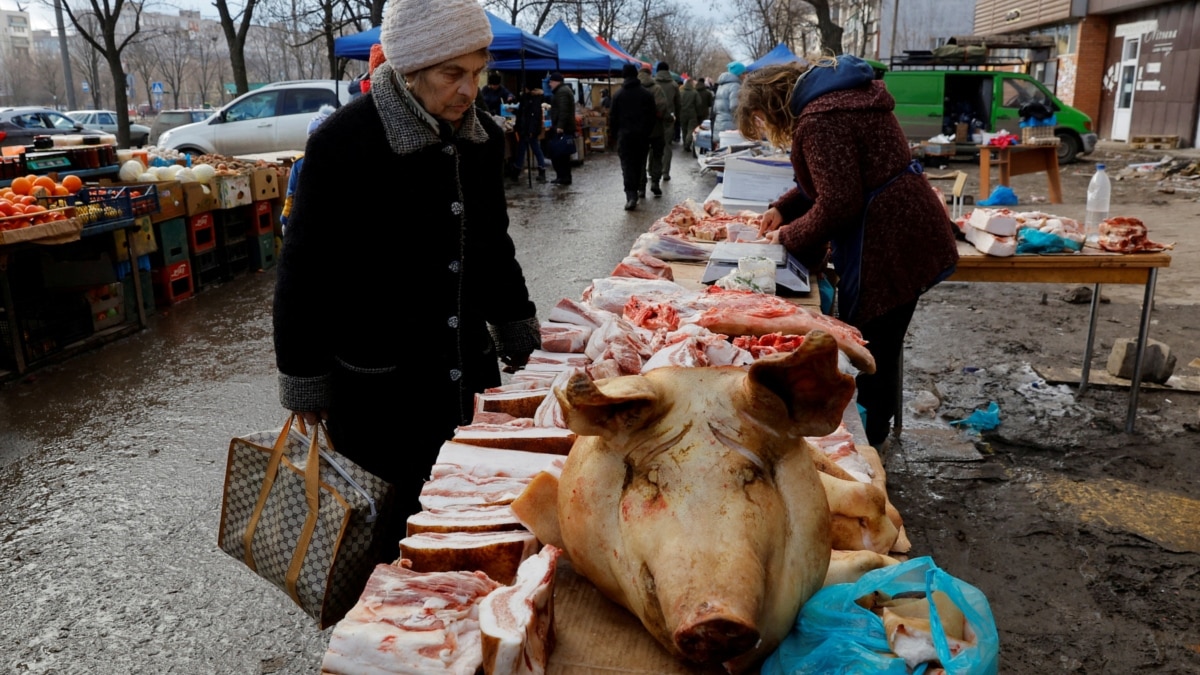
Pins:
x: 1098, y: 193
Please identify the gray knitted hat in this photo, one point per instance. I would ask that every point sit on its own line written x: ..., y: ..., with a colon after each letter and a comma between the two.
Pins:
x: 417, y: 34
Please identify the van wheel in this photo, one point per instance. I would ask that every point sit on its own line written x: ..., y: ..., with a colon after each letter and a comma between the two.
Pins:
x: 1068, y: 147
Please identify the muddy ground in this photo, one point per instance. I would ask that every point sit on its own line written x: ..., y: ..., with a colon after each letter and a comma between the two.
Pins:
x: 1085, y: 539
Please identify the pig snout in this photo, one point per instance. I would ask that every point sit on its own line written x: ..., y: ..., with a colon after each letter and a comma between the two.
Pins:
x: 712, y: 633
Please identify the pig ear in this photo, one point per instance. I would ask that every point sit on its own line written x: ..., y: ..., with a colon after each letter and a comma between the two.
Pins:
x: 809, y: 383
x: 606, y: 407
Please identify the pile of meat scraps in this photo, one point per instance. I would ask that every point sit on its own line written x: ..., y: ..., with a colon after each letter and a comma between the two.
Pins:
x: 1127, y: 235
x: 709, y: 222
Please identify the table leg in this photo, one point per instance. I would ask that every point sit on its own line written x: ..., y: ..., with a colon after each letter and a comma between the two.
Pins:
x: 1087, y: 351
x: 1052, y: 177
x: 10, y: 315
x: 985, y: 173
x: 1143, y: 333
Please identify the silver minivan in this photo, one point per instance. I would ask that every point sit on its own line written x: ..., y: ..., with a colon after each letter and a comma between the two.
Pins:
x: 271, y: 119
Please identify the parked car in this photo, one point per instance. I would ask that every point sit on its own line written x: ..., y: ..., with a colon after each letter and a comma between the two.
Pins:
x: 18, y: 126
x: 169, y: 119
x: 271, y: 119
x: 929, y: 102
x: 106, y: 121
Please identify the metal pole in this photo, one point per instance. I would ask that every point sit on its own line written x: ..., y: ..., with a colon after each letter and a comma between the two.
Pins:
x: 68, y: 79
x: 1087, y: 351
x: 895, y: 21
x: 1143, y: 333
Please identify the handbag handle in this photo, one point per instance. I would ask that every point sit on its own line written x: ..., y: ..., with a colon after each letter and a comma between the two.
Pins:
x: 312, y: 495
x: 272, y: 470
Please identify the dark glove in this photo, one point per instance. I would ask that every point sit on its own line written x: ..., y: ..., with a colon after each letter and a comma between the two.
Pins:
x: 515, y: 341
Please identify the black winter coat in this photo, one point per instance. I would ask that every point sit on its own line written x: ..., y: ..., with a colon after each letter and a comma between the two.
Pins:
x: 384, y: 298
x: 634, y: 116
x: 529, y: 120
x: 562, y: 109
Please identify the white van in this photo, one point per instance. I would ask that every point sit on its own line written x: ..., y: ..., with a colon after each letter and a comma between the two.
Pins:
x: 271, y: 119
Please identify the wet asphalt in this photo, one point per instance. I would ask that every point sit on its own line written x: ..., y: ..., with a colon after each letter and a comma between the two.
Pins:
x: 112, y: 463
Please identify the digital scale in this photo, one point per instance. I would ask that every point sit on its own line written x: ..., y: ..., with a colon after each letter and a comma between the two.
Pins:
x: 47, y: 161
x: 790, y: 274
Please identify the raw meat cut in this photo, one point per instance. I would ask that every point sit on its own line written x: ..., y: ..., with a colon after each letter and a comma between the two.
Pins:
x: 687, y: 353
x: 611, y: 294
x: 472, y: 460
x: 566, y: 359
x: 492, y: 518
x: 999, y: 222
x: 651, y: 316
x: 496, y: 554
x: 771, y: 343
x: 410, y: 623
x: 847, y: 567
x: 1127, y: 235
x: 737, y: 313
x: 514, y: 436
x: 572, y: 312
x: 517, y: 621
x: 458, y: 488
x: 990, y: 244
x: 564, y: 337
x: 692, y: 500
x: 518, y: 403
x: 667, y: 247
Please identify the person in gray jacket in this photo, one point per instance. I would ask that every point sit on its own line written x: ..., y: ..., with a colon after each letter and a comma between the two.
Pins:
x: 658, y: 137
x: 706, y: 98
x: 725, y: 102
x: 689, y: 112
x: 671, y: 90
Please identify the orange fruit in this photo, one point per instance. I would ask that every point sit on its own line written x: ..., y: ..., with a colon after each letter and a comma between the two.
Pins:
x: 46, y: 182
x: 6, y: 207
x: 28, y: 199
x: 72, y: 183
x: 18, y: 209
x: 21, y: 186
x: 61, y: 191
x: 39, y: 192
x: 34, y: 208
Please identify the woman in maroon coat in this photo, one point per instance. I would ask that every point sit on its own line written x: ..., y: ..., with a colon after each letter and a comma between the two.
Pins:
x: 860, y: 200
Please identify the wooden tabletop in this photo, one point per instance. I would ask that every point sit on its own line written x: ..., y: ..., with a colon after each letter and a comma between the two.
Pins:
x: 1088, y: 267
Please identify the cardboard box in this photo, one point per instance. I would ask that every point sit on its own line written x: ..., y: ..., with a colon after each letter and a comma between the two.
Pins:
x: 757, y: 179
x: 962, y: 133
x: 938, y: 149
x: 56, y: 232
x: 264, y: 184
x: 143, y: 240
x: 198, y: 198
x: 107, y: 305
x: 232, y: 191
x: 170, y: 201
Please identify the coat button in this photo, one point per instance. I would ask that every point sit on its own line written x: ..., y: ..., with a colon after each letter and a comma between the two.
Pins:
x: 456, y: 208
x: 455, y: 266
x: 449, y: 149
x: 455, y: 375
x: 452, y: 322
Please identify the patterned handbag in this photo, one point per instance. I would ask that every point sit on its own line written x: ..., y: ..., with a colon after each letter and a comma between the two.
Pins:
x: 303, y: 517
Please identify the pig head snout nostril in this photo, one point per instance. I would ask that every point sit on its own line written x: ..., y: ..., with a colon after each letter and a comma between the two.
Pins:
x: 716, y: 639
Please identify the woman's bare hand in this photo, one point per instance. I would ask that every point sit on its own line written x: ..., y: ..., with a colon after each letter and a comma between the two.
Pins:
x: 772, y: 220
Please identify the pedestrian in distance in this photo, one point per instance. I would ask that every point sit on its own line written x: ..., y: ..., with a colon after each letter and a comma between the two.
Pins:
x: 725, y: 101
x: 633, y: 119
x: 562, y: 118
x: 495, y: 94
x: 658, y: 136
x: 859, y: 195
x: 670, y: 89
x: 528, y: 126
x: 606, y: 99
x: 343, y: 316
x: 705, y: 94
x: 289, y: 196
x: 689, y: 112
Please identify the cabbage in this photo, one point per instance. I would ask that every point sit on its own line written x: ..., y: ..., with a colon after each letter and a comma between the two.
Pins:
x: 204, y: 172
x: 130, y: 171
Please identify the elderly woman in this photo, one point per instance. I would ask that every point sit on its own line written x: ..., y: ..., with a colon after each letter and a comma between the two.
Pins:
x: 860, y: 195
x: 398, y: 285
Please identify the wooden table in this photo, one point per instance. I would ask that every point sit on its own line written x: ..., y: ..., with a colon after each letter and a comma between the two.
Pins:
x: 1017, y: 160
x: 1077, y: 268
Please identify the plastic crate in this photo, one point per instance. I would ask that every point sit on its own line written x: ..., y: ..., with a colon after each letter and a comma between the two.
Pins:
x: 263, y: 252
x: 172, y: 283
x: 98, y: 205
x: 201, y: 233
x: 1043, y: 135
x: 264, y: 220
x: 173, y: 242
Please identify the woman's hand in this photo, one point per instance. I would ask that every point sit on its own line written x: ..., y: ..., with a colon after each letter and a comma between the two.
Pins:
x: 772, y: 220
x: 311, y: 418
x: 772, y: 237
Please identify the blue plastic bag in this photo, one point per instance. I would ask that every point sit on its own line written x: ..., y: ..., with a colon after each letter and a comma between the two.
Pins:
x: 833, y: 634
x: 1001, y: 196
x: 1036, y: 241
x: 981, y: 420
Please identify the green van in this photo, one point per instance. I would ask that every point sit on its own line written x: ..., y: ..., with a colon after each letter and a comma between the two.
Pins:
x: 931, y: 102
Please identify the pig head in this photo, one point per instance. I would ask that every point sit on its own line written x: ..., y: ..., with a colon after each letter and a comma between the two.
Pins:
x: 691, y: 497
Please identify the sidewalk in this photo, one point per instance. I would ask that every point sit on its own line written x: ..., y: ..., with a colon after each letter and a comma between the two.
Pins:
x: 1119, y: 150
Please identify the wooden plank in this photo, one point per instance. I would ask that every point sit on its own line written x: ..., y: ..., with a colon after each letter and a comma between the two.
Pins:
x: 1102, y: 378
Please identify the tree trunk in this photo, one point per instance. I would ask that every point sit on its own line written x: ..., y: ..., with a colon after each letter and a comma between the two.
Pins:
x: 831, y: 33
x: 120, y: 98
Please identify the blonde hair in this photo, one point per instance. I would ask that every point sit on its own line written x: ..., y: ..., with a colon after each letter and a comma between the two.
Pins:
x: 764, y: 101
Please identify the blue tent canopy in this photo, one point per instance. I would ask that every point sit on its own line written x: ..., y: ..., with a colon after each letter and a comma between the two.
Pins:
x: 586, y: 37
x: 780, y: 54
x: 578, y: 55
x: 508, y: 45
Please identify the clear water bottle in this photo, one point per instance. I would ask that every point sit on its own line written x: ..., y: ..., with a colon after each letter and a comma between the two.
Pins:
x: 1098, y: 193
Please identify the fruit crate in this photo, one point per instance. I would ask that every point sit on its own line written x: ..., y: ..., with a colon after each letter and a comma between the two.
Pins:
x: 103, y: 204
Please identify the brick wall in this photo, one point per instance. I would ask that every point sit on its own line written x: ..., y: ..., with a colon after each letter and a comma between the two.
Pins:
x: 1090, y: 59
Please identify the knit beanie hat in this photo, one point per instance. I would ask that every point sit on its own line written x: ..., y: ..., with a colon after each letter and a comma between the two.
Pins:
x: 376, y: 58
x: 556, y: 77
x: 322, y: 115
x: 737, y: 68
x: 662, y: 65
x: 417, y: 34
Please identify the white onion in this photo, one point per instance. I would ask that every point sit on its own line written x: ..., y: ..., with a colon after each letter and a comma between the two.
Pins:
x: 130, y: 171
x: 185, y: 176
x: 204, y: 172
x: 147, y: 178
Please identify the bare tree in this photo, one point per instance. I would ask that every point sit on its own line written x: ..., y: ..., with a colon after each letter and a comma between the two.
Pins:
x: 171, y: 52
x: 235, y: 39
x: 106, y: 41
x: 87, y: 62
x: 760, y: 25
x: 48, y: 74
x: 207, y: 59
x: 140, y: 58
x: 529, y: 14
